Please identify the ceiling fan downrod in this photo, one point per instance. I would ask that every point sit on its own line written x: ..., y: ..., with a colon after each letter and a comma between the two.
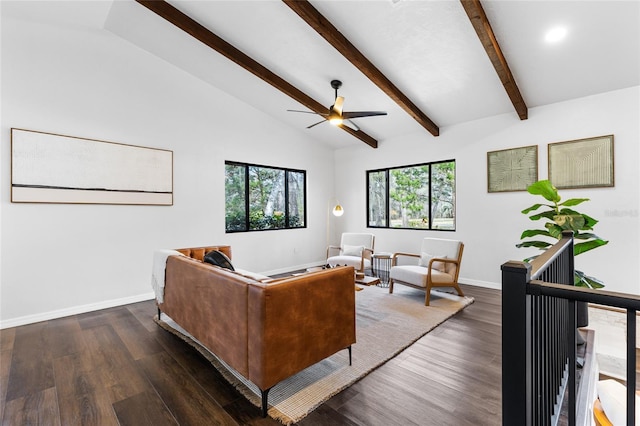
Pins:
x: 336, y: 84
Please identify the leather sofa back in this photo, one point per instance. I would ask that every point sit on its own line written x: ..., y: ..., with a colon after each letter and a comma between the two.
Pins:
x: 265, y: 331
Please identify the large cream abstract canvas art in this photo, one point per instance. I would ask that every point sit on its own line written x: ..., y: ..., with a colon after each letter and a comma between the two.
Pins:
x: 50, y: 168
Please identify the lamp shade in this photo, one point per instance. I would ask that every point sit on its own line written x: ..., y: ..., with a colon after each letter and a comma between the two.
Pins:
x: 338, y: 210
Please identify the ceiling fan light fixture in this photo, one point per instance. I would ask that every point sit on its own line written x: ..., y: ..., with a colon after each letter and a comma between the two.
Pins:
x: 336, y: 116
x: 336, y: 121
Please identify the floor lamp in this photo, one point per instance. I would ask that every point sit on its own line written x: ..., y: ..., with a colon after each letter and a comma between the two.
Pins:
x: 337, y: 210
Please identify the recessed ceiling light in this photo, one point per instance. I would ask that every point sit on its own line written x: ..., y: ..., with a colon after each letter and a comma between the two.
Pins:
x: 556, y: 34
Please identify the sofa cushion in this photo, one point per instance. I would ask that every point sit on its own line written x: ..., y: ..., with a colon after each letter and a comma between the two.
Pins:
x: 352, y: 250
x: 217, y: 258
x: 417, y: 275
x: 348, y: 261
x: 197, y: 253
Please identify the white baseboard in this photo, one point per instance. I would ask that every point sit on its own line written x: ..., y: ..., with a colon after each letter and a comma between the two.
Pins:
x: 74, y: 310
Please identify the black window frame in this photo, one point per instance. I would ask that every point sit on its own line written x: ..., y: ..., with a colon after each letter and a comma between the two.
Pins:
x: 386, y: 171
x: 247, y: 200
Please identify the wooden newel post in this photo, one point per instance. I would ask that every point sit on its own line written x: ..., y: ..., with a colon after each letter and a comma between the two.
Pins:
x: 516, y: 349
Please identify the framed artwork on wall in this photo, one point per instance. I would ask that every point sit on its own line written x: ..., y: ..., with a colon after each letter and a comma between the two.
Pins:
x: 582, y: 163
x: 512, y: 169
x: 51, y: 168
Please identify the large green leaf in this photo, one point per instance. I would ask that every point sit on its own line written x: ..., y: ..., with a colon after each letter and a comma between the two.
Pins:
x: 573, y: 201
x: 565, y: 210
x: 588, y: 245
x: 546, y: 189
x: 573, y: 222
x: 533, y: 232
x: 580, y: 279
x: 534, y: 207
x: 538, y: 244
x: 590, y: 222
x: 554, y: 230
x: 584, y: 235
x: 545, y: 215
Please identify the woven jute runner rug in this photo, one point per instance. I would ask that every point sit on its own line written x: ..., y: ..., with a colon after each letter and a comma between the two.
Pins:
x: 386, y: 324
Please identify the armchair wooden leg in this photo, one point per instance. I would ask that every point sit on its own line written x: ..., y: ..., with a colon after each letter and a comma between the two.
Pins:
x: 390, y: 286
x: 427, y: 297
x: 459, y: 290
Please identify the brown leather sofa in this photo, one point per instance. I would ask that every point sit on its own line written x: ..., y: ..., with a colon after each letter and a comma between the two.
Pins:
x: 267, y: 331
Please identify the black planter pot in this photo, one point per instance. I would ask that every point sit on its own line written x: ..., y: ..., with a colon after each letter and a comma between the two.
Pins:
x: 582, y: 309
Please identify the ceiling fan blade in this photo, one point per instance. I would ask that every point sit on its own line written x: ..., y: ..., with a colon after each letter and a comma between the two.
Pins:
x: 308, y: 112
x: 319, y: 122
x: 351, y: 124
x: 356, y: 114
x: 337, y: 105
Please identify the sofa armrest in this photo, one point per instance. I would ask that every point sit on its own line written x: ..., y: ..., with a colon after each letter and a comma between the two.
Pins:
x: 211, y: 304
x: 297, y: 322
x: 331, y: 249
x: 443, y: 260
x: 367, y: 253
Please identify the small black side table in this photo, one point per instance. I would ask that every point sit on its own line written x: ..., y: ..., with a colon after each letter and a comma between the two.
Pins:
x: 381, y: 265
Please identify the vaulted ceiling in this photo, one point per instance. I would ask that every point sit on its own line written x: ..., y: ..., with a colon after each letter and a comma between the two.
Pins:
x: 429, y: 64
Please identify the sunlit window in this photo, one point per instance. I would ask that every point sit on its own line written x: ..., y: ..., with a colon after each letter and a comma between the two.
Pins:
x: 263, y: 198
x: 419, y: 196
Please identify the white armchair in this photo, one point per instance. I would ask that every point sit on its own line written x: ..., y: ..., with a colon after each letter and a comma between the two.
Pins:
x: 354, y: 250
x: 437, y: 265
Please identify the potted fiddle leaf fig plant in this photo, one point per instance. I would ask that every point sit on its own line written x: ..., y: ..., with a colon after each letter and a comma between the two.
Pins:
x: 559, y: 217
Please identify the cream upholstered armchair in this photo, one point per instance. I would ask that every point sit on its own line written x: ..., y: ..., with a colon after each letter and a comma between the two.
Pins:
x: 437, y: 265
x: 354, y: 250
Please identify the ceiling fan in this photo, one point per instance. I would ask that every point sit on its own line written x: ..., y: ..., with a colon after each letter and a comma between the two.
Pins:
x: 336, y: 116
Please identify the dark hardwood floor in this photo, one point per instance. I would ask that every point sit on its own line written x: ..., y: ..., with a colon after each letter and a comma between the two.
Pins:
x: 117, y: 367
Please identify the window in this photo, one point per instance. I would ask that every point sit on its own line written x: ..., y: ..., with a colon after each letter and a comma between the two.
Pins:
x: 421, y: 196
x: 260, y: 198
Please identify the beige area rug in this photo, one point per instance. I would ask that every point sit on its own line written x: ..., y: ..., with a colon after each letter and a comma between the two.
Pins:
x: 386, y: 324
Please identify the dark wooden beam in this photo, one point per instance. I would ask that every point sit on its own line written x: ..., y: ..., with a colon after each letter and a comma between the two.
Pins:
x: 318, y: 22
x: 481, y: 24
x: 204, y: 35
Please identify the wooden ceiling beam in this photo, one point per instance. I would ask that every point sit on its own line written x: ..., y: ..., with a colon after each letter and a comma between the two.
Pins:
x: 481, y: 24
x: 204, y: 35
x: 318, y: 22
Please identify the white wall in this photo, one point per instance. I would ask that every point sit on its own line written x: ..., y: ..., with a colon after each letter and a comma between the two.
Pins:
x: 63, y: 259
x: 490, y: 224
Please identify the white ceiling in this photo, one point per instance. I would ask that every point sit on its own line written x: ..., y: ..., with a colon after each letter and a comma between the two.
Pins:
x: 428, y: 49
